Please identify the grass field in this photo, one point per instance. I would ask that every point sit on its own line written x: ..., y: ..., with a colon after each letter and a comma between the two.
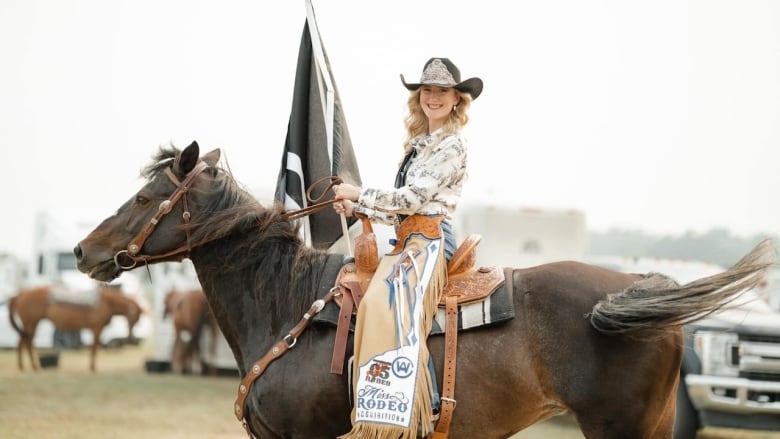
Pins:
x: 122, y: 401
x: 119, y: 401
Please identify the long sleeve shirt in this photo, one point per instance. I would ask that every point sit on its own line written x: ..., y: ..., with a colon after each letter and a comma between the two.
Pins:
x: 433, y: 181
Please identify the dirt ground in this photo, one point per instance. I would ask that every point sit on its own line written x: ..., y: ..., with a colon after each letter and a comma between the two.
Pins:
x: 121, y: 401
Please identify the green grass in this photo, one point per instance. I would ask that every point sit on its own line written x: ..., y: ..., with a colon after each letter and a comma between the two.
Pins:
x: 119, y: 401
x: 122, y: 401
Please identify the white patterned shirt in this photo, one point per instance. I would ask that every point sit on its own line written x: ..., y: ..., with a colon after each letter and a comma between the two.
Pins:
x: 433, y: 181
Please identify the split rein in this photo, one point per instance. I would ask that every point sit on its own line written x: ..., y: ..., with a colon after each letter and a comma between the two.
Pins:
x: 133, y: 249
x: 318, y: 204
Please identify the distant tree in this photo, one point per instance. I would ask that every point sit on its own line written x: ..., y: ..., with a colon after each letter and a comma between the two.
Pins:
x: 717, y: 246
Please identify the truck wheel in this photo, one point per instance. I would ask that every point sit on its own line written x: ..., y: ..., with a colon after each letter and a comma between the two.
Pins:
x: 686, y: 421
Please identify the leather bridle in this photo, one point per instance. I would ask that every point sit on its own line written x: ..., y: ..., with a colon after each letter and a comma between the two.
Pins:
x: 180, y: 193
x: 133, y: 250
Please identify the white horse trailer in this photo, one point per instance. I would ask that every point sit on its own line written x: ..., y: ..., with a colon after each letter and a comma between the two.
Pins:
x: 521, y: 236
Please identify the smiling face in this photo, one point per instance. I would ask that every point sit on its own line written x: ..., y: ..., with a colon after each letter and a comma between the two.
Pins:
x: 437, y: 103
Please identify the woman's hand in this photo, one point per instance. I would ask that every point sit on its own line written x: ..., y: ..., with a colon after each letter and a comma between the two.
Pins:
x: 345, y: 207
x: 345, y: 191
x: 345, y: 194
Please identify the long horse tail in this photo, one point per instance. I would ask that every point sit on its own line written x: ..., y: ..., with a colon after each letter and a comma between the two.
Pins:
x: 656, y: 303
x: 11, y: 311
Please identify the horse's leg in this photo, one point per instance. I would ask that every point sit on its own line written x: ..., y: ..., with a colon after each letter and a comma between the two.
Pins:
x: 93, y: 351
x: 634, y: 398
x: 176, y: 360
x: 195, y: 359
x: 213, y: 349
x: 28, y: 342
x: 36, y: 362
x: 665, y: 425
x: 192, y: 354
x: 19, y: 354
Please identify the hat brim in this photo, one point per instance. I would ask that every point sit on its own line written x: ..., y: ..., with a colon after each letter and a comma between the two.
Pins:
x: 472, y: 86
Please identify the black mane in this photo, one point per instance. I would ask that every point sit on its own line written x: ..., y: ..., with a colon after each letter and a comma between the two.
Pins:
x: 248, y: 239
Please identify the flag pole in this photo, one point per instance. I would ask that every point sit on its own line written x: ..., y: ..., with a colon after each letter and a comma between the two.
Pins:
x: 319, y: 56
x: 345, y: 231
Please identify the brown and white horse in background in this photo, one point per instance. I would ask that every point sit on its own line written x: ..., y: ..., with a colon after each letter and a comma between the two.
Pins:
x: 190, y: 313
x: 35, y: 304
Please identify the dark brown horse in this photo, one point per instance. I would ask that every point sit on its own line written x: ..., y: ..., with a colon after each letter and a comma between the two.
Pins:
x: 604, y: 345
x: 33, y: 305
x: 190, y: 313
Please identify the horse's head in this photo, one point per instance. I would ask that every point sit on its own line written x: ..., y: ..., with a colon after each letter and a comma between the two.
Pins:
x: 154, y: 225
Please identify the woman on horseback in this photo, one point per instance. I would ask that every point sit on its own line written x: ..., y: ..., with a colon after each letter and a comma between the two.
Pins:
x: 392, y: 399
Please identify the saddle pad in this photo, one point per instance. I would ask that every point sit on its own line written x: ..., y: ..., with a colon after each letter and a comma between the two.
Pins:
x: 496, y: 308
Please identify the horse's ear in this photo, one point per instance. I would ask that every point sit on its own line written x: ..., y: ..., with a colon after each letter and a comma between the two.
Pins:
x: 212, y: 157
x: 187, y: 159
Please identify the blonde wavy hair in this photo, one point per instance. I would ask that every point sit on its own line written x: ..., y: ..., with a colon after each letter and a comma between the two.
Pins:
x: 417, y: 122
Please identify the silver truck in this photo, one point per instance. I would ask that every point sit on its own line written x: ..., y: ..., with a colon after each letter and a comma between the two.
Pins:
x: 730, y: 376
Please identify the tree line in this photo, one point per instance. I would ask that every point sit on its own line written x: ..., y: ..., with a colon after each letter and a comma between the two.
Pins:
x: 716, y: 246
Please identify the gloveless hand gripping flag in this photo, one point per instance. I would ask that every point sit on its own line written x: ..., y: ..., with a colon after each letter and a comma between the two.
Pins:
x: 318, y: 142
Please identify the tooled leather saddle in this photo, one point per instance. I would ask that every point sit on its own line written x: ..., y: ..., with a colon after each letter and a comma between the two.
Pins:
x: 464, y: 280
x: 465, y: 283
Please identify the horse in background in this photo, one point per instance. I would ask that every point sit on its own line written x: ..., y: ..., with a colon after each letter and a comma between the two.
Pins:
x: 190, y: 313
x: 34, y: 304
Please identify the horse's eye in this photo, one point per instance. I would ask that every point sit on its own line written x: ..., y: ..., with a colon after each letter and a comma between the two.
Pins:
x: 140, y: 200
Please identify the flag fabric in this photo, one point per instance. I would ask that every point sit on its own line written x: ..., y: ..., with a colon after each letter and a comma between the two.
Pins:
x: 318, y: 142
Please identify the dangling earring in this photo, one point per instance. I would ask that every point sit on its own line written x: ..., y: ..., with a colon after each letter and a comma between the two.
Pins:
x: 454, y: 108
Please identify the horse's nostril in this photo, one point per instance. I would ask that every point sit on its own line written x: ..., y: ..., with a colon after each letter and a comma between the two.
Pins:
x: 77, y: 252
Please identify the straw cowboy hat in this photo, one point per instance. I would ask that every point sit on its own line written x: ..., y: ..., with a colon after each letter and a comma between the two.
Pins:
x: 443, y: 73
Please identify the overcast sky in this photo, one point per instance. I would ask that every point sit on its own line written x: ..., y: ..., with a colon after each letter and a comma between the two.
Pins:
x: 655, y: 115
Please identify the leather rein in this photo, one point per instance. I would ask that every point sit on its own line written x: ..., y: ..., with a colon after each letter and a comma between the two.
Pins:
x: 132, y: 252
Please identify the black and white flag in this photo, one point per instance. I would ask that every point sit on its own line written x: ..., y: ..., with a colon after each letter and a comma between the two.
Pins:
x: 318, y: 142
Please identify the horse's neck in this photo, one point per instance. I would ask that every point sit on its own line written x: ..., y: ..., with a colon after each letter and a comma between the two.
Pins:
x: 256, y: 306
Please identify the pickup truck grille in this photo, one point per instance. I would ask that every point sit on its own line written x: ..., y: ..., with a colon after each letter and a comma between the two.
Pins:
x: 757, y: 356
x: 762, y: 338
